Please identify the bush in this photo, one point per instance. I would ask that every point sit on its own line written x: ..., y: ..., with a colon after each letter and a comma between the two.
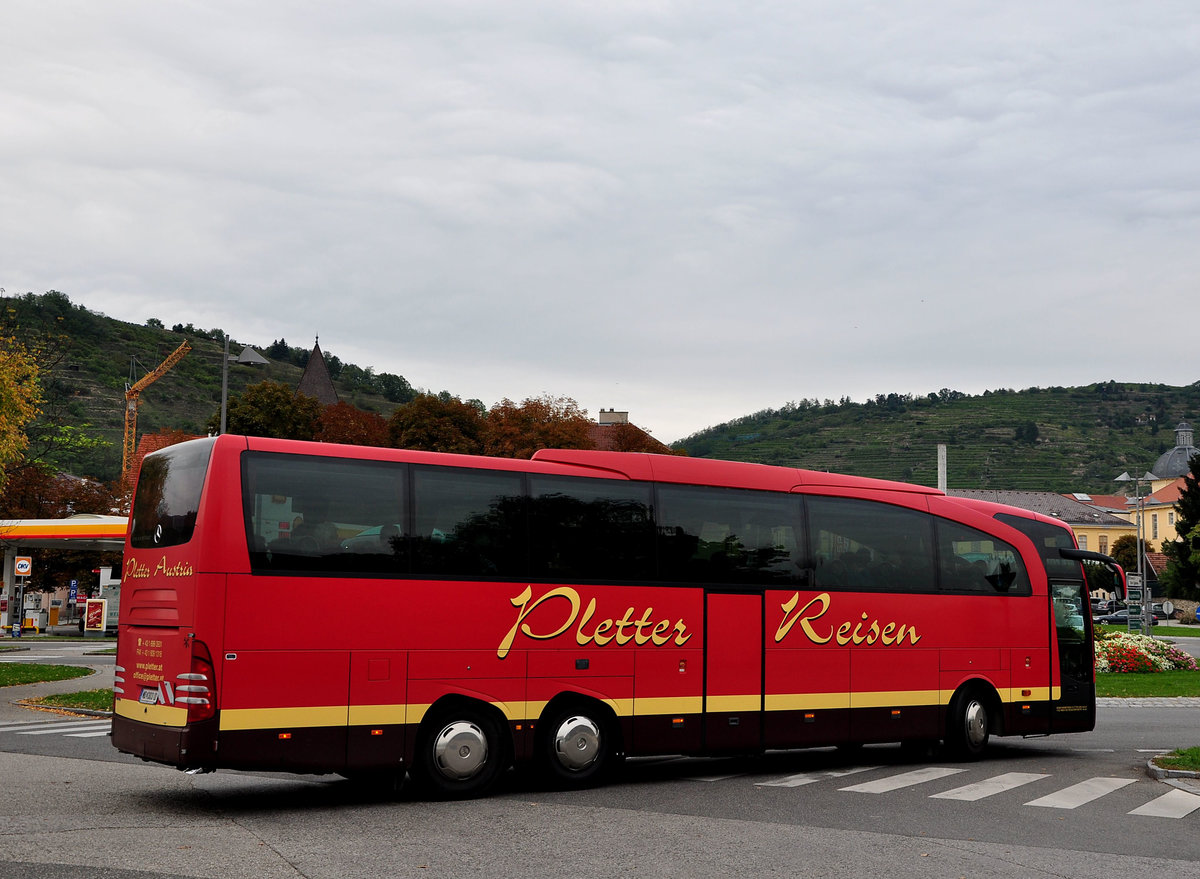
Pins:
x: 1122, y: 652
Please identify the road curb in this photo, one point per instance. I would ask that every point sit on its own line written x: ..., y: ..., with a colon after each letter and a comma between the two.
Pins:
x: 58, y: 709
x: 1157, y: 772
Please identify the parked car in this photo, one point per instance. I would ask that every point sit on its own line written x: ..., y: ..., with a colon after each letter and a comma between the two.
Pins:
x: 1118, y: 618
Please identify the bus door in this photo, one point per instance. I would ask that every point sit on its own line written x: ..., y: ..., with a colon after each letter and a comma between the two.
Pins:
x: 1076, y: 706
x: 733, y: 678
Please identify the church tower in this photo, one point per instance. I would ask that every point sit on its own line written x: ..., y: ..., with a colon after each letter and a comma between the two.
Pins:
x: 315, y: 382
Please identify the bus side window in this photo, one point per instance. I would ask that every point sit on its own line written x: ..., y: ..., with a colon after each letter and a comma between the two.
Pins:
x: 974, y: 561
x: 468, y: 523
x: 721, y: 535
x: 590, y: 528
x: 870, y: 546
x: 308, y: 514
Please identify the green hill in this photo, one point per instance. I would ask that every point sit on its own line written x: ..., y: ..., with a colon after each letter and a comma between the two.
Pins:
x: 1040, y: 439
x: 97, y: 355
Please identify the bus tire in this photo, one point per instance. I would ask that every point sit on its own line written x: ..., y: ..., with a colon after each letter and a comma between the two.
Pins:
x: 968, y: 724
x: 576, y: 745
x: 460, y: 753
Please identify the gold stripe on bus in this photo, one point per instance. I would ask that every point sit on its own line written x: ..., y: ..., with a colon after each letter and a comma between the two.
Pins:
x: 807, y: 701
x: 368, y: 715
x: 283, y: 718
x: 646, y: 707
x: 159, y: 715
x: 896, y: 699
x: 377, y: 715
x: 1036, y: 694
x: 733, y: 703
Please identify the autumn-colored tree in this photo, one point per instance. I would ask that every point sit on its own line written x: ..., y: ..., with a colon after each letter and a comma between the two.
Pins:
x: 625, y: 437
x: 270, y: 409
x: 343, y: 423
x: 538, y: 423
x: 20, y: 394
x: 437, y: 424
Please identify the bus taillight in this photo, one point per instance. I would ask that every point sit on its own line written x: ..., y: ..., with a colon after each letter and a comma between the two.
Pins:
x: 197, y: 688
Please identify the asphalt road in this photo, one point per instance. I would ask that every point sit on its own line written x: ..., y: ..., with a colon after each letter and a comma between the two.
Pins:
x: 1070, y: 806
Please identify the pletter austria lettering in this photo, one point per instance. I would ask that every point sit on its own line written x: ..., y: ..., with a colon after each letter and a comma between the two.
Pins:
x: 135, y: 569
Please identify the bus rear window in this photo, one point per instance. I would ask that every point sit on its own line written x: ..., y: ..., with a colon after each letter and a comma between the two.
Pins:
x: 168, y: 494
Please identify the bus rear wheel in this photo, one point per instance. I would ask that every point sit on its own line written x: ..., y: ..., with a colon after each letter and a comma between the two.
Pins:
x: 576, y: 746
x: 460, y: 753
x: 968, y: 724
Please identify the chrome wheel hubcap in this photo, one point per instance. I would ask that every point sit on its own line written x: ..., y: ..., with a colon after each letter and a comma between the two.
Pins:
x: 976, y: 724
x: 577, y: 743
x: 460, y: 750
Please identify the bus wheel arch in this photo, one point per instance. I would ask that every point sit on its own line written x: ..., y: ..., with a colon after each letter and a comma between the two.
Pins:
x: 462, y: 747
x: 577, y: 741
x: 973, y: 715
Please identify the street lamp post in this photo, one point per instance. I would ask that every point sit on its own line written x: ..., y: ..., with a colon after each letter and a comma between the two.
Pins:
x: 224, y: 383
x: 1139, y: 506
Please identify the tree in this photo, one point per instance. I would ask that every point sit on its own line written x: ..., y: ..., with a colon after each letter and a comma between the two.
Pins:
x: 430, y: 423
x: 20, y: 396
x: 1124, y: 550
x: 538, y: 423
x: 1182, y: 577
x: 343, y: 423
x: 270, y: 409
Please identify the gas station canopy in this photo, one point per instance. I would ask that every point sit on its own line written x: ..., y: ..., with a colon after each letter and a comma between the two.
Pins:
x: 82, y: 532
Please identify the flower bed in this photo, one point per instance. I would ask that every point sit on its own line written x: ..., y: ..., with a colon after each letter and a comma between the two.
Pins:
x: 1121, y: 652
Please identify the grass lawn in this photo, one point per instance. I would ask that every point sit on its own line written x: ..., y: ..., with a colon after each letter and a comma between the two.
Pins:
x: 1160, y: 631
x: 12, y: 674
x: 1162, y: 683
x: 93, y: 700
x: 1181, y: 758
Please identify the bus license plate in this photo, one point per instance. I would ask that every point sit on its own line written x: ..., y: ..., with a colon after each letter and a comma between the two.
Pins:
x: 149, y: 696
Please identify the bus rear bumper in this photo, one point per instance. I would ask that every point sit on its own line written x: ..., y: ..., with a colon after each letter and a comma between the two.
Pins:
x: 188, y: 747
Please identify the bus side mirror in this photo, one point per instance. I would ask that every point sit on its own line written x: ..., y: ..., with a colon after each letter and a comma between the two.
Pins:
x: 1083, y: 555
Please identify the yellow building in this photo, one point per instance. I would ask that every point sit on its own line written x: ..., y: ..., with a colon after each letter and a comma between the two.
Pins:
x: 1095, y: 528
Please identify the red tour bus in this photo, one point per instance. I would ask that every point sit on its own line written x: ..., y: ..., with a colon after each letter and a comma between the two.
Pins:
x: 373, y: 612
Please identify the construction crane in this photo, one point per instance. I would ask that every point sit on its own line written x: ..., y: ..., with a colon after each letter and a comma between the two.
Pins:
x: 133, y: 400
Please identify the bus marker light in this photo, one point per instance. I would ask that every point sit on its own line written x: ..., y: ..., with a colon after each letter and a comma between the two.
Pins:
x: 676, y: 722
x: 895, y: 712
x: 682, y: 666
x: 284, y: 736
x: 1027, y: 693
x: 376, y: 732
x: 810, y: 717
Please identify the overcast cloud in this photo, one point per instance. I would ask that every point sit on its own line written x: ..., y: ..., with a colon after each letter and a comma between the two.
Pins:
x: 688, y: 210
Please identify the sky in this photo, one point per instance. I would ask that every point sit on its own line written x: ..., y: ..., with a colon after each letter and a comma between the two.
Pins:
x: 691, y: 211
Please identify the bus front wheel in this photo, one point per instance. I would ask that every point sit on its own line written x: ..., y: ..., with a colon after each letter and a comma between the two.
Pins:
x: 968, y: 724
x: 460, y: 753
x: 576, y: 746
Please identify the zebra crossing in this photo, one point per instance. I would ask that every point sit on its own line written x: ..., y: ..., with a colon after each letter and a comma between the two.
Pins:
x: 1173, y: 804
x: 75, y: 729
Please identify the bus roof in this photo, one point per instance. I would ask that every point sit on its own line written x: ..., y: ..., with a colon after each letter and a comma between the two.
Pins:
x: 612, y: 465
